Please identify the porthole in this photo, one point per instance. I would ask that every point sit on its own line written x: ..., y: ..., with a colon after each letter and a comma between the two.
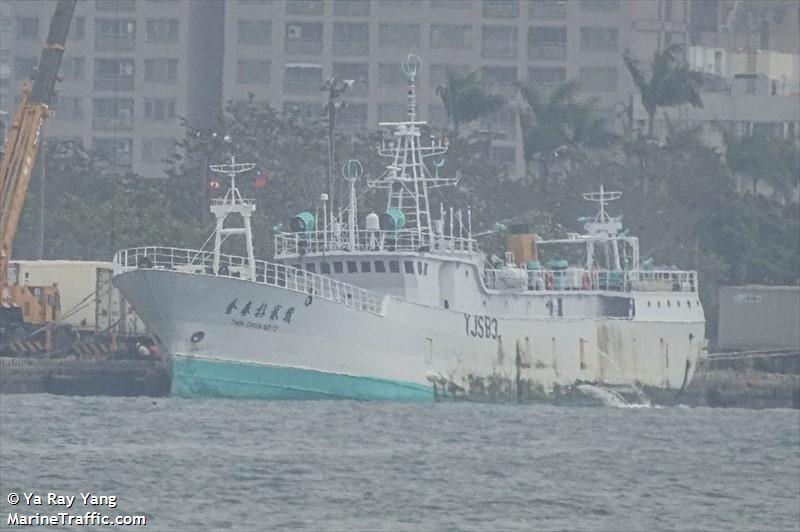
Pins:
x: 197, y: 336
x: 649, y: 304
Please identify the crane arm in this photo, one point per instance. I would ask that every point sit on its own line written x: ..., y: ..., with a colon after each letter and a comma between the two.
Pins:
x: 22, y: 142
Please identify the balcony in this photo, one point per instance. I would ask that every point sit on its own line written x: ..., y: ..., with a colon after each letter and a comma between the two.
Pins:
x: 299, y: 46
x: 117, y: 43
x: 548, y: 52
x: 115, y: 83
x: 113, y: 123
x: 499, y: 51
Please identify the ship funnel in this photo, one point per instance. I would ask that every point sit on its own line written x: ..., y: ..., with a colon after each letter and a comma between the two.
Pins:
x: 521, y: 241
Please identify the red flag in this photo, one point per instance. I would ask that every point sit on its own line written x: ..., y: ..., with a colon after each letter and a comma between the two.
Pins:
x: 261, y: 179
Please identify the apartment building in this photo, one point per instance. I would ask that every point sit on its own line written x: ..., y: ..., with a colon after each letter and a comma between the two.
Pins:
x: 282, y: 51
x: 130, y: 70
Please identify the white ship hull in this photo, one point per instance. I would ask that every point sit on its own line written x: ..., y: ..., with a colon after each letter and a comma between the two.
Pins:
x: 298, y: 346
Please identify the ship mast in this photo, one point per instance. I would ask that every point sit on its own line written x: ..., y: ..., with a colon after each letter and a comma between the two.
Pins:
x: 407, y: 177
x: 232, y: 203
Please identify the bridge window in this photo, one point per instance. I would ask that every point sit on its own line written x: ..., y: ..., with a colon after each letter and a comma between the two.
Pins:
x: 352, y: 267
x: 446, y: 304
x: 678, y: 303
x: 419, y: 267
x: 326, y: 267
x: 649, y: 304
x: 658, y: 304
x: 380, y: 267
x: 310, y: 266
x: 409, y: 266
x: 668, y: 303
x: 365, y: 266
x: 426, y: 269
x: 338, y: 267
x: 394, y: 266
x: 688, y: 303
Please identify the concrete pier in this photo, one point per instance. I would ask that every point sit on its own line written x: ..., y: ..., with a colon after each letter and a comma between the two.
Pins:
x: 84, y: 377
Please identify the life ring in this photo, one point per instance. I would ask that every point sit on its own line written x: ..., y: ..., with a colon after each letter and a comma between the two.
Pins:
x: 586, y: 281
x: 548, y: 280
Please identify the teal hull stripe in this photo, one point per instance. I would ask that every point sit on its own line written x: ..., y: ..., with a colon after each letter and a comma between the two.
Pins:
x: 200, y: 377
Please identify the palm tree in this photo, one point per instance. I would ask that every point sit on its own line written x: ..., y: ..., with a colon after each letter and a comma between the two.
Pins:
x: 559, y: 126
x: 464, y: 100
x: 671, y: 83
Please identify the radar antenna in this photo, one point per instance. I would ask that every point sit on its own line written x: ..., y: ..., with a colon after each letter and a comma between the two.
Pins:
x: 603, y: 198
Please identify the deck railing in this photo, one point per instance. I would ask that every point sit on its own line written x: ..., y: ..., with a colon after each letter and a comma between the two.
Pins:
x: 581, y: 279
x: 405, y: 241
x: 200, y: 262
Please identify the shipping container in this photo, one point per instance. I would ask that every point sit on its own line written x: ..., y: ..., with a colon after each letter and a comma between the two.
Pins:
x: 756, y: 317
x: 89, y: 303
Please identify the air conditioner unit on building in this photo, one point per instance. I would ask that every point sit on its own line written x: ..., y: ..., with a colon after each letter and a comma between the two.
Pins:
x: 294, y: 31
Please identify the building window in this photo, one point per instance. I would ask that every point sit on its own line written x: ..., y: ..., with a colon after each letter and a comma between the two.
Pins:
x: 112, y: 113
x: 27, y: 28
x: 254, y: 32
x: 391, y: 75
x: 400, y: 34
x: 500, y: 8
x: 302, y: 78
x: 352, y: 266
x: 24, y: 67
x: 303, y: 37
x: 304, y: 7
x: 115, y: 5
x: 159, y: 109
x: 253, y: 71
x: 338, y: 267
x: 451, y: 37
x: 311, y: 267
x: 499, y: 42
x: 408, y: 266
x: 350, y: 38
x: 67, y: 108
x: 548, y: 9
x: 598, y: 79
x: 157, y: 149
x: 162, y: 30
x: 326, y: 267
x: 77, y: 30
x: 115, y: 151
x: 113, y: 34
x: 113, y: 74
x: 546, y: 79
x: 351, y: 8
x: 72, y: 68
x: 599, y: 39
x: 394, y: 266
x: 380, y: 267
x: 451, y: 4
x: 365, y: 266
x: 358, y: 72
x: 161, y: 70
x: 599, y: 5
x: 548, y: 43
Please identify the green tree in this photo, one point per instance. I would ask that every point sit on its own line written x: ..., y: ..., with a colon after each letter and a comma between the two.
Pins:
x: 670, y: 84
x: 464, y: 100
x: 763, y: 158
x: 559, y: 126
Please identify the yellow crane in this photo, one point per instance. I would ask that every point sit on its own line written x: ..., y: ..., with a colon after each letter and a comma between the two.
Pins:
x: 30, y: 305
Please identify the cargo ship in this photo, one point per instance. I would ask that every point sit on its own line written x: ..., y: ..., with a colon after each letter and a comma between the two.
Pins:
x: 405, y: 306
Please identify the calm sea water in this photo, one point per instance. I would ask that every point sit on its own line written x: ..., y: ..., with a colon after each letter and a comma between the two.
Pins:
x: 240, y: 465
